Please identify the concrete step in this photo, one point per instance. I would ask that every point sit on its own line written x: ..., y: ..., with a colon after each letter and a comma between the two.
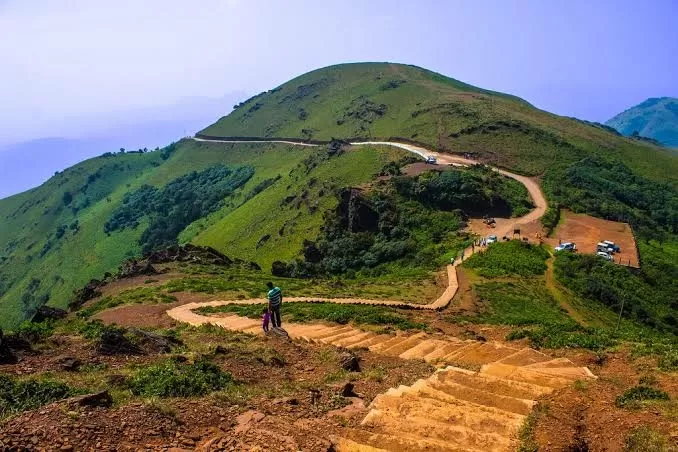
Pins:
x: 237, y: 323
x: 439, y: 353
x: 488, y: 383
x: 526, y: 375
x: 394, y: 340
x: 486, y: 352
x: 573, y: 373
x: 328, y: 332
x: 482, y: 397
x: 360, y: 336
x: 398, y: 443
x: 343, y: 335
x: 557, y: 362
x: 305, y: 332
x: 423, y: 349
x: 367, y: 343
x: 465, y: 348
x: 429, y: 429
x: 524, y: 357
x: 405, y: 345
x: 340, y: 444
x: 458, y: 412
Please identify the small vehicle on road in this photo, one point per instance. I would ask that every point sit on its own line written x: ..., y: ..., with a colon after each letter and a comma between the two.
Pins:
x: 491, y: 239
x: 605, y: 255
x: 604, y: 248
x: 431, y: 160
x: 567, y: 246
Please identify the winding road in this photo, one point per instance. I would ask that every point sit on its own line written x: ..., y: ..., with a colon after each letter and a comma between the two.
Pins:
x: 185, y: 312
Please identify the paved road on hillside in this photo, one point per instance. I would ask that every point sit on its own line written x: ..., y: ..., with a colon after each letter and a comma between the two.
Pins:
x: 184, y: 313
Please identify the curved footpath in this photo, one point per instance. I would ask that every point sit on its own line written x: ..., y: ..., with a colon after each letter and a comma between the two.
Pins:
x: 455, y: 409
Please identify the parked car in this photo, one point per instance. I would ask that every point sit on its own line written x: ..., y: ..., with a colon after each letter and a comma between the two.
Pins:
x: 604, y: 255
x: 567, y: 246
x: 603, y: 247
x: 491, y: 239
x: 432, y: 160
x: 612, y: 245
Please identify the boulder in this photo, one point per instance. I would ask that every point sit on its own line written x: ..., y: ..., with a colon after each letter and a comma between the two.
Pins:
x: 349, y: 362
x: 97, y: 399
x: 69, y: 363
x: 48, y: 313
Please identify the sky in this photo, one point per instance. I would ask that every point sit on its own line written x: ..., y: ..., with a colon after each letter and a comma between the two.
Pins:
x: 65, y: 62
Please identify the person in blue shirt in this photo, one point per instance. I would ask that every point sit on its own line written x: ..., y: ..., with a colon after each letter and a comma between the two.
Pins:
x: 274, y: 302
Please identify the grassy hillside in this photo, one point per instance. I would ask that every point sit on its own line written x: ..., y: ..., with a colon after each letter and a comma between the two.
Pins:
x: 656, y: 118
x: 382, y: 100
x: 54, y: 239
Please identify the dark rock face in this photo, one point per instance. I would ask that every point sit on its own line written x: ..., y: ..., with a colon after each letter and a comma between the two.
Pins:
x: 90, y: 291
x: 69, y: 363
x: 355, y: 213
x: 349, y: 362
x: 114, y: 342
x: 188, y: 253
x: 153, y: 343
x: 133, y: 268
x: 97, y: 399
x: 48, y: 313
x: 12, y: 348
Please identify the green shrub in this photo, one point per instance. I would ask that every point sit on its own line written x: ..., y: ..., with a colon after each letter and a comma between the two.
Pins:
x: 634, y: 397
x: 509, y: 258
x: 35, y: 331
x: 178, y: 204
x: 645, y: 439
x: 173, y: 379
x: 21, y: 395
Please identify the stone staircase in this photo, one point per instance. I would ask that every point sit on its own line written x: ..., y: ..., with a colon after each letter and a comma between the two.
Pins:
x: 455, y: 409
x: 459, y: 410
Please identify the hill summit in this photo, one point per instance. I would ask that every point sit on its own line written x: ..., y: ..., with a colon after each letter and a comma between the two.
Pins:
x: 655, y: 118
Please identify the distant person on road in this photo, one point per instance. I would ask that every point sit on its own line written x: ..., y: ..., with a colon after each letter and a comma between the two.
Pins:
x: 274, y: 302
x: 265, y: 319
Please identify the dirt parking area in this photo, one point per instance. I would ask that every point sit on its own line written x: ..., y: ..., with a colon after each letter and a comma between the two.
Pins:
x: 586, y: 231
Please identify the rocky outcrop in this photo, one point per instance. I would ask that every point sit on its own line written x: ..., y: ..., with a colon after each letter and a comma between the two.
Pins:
x: 48, y: 313
x: 355, y: 213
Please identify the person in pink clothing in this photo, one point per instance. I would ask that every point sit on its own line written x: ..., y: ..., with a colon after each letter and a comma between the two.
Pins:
x: 265, y: 319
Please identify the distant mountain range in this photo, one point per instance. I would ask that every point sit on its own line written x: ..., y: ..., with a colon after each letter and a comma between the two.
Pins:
x: 29, y: 163
x: 656, y: 118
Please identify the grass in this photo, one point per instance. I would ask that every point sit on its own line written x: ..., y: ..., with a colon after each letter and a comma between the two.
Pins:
x: 338, y: 313
x: 339, y: 101
x: 518, y: 303
x: 509, y: 258
x: 137, y: 295
x: 637, y: 396
x: 173, y: 379
x: 646, y: 439
x: 30, y: 220
x: 18, y: 395
x: 526, y: 434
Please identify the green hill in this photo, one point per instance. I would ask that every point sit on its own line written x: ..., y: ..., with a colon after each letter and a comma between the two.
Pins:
x: 656, y: 118
x: 261, y: 202
x: 382, y: 100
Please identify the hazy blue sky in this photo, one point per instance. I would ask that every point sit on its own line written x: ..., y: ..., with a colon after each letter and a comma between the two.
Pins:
x: 64, y: 61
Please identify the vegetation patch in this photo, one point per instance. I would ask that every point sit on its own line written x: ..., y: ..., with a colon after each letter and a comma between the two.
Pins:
x: 509, y: 258
x: 338, y: 313
x: 18, y: 395
x: 636, y: 396
x: 648, y: 296
x: 174, y: 379
x: 177, y: 205
x: 517, y: 303
x: 646, y: 439
x: 138, y: 295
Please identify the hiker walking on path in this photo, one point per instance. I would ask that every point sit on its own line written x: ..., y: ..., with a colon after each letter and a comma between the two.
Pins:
x: 274, y: 302
x: 265, y: 319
